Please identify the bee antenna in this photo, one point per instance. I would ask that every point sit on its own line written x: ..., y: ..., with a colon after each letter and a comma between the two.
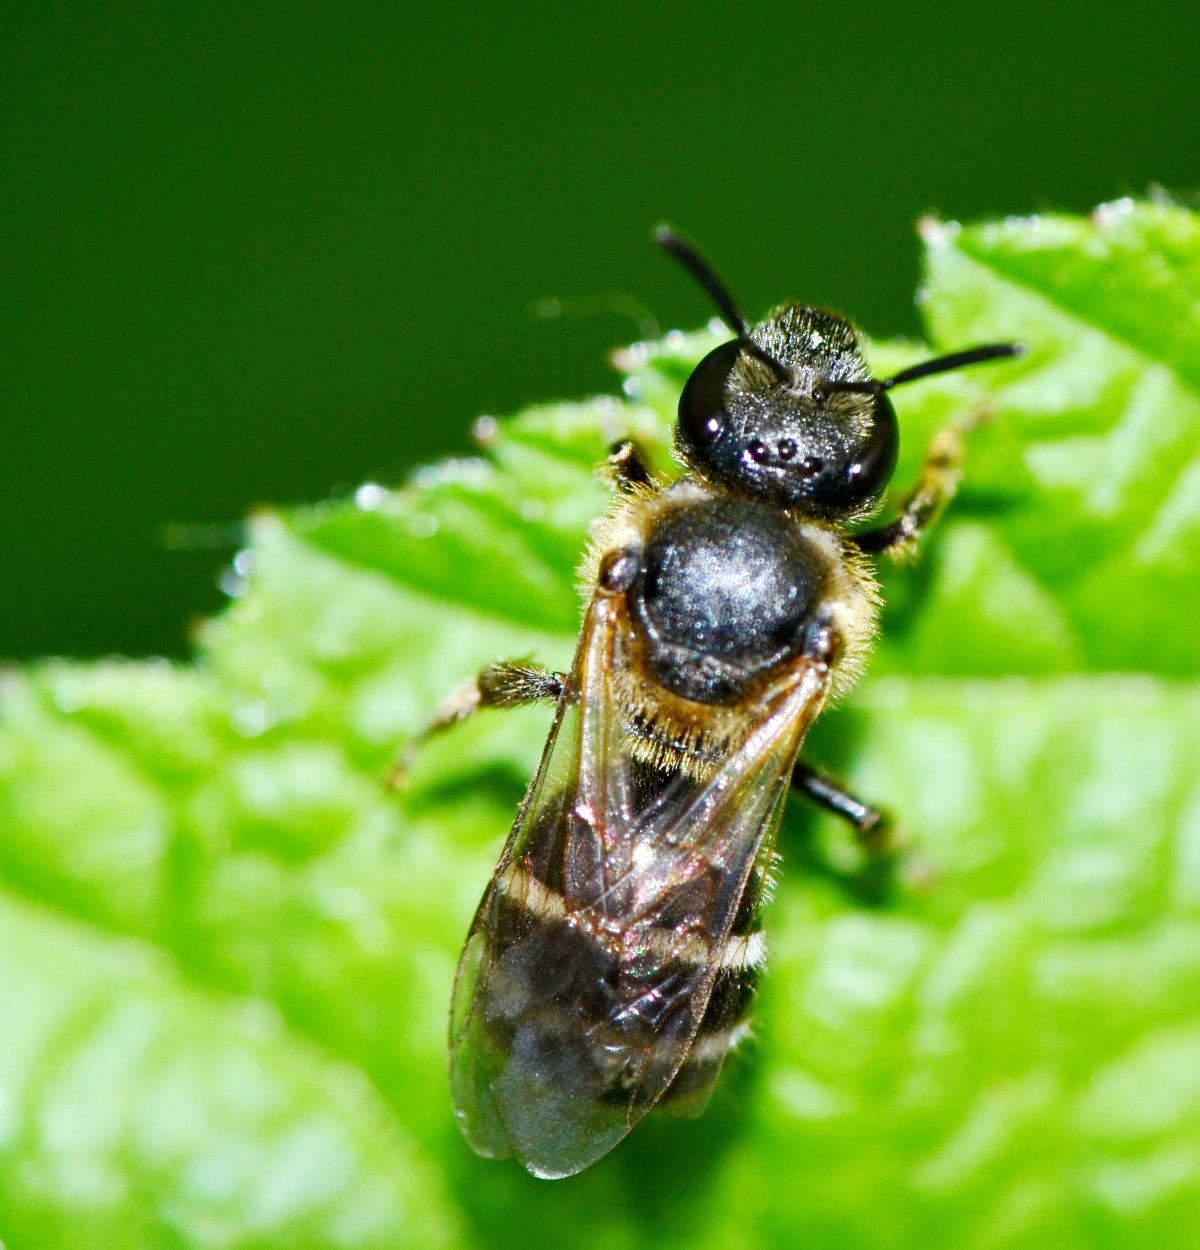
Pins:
x: 956, y: 360
x: 718, y: 292
x: 940, y: 364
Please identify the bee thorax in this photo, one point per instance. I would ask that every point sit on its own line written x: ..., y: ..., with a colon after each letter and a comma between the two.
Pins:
x: 726, y: 591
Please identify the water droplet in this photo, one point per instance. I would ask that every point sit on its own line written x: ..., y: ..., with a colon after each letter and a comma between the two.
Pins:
x: 369, y: 496
x: 342, y: 903
x: 232, y: 583
x: 68, y: 697
x: 468, y: 470
x: 1109, y: 214
x: 484, y: 430
x: 251, y: 720
x: 260, y: 1018
x: 422, y: 525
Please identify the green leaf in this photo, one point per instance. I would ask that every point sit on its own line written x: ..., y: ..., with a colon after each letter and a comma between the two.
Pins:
x: 226, y: 946
x: 1096, y: 468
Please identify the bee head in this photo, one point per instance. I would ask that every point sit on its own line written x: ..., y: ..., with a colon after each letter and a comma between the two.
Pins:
x: 770, y: 415
x: 789, y: 412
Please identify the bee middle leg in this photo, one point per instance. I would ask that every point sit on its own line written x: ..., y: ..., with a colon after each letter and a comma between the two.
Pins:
x: 506, y: 683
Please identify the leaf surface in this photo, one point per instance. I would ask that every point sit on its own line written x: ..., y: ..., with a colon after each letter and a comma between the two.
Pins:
x: 226, y: 946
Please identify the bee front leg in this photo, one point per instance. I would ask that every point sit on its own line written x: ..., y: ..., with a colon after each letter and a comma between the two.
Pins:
x: 506, y: 683
x: 939, y: 479
x: 626, y: 466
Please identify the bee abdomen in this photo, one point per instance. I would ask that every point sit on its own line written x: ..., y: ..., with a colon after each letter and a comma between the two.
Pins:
x: 726, y: 1021
x: 599, y: 1013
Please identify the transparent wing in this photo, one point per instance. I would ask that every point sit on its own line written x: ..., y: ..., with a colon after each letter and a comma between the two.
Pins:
x: 519, y: 963
x: 694, y: 868
x: 592, y: 959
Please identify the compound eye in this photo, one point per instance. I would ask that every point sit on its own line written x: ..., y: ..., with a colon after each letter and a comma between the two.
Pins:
x: 860, y: 473
x: 702, y: 418
x: 873, y: 466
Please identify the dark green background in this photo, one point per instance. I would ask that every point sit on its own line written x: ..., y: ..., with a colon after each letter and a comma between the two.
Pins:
x: 258, y: 254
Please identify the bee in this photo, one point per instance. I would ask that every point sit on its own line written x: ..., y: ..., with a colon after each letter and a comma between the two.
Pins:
x: 612, y: 962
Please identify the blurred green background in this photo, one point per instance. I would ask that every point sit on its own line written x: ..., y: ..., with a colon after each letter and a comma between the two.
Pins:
x: 258, y: 254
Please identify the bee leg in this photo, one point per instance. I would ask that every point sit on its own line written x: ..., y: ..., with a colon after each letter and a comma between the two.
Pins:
x: 506, y: 683
x: 873, y: 882
x: 626, y: 466
x: 939, y: 479
x: 870, y: 824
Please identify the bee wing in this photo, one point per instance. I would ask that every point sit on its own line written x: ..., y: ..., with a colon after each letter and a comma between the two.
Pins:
x: 509, y: 964
x: 594, y: 953
x: 680, y: 904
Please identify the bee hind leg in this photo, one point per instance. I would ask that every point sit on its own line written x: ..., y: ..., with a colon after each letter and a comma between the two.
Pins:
x: 871, y: 883
x: 506, y: 683
x: 870, y: 825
